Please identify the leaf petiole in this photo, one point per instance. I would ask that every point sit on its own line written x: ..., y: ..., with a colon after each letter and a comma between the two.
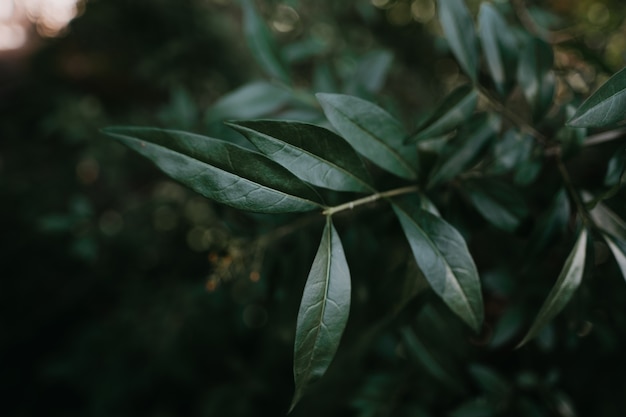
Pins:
x: 370, y: 199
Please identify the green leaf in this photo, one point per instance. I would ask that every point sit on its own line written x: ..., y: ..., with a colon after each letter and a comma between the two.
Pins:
x: 550, y: 225
x: 458, y: 26
x: 616, y: 169
x: 500, y: 204
x: 568, y: 281
x: 314, y: 154
x: 606, y: 106
x: 464, y: 150
x: 497, y: 44
x: 252, y: 100
x: 323, y: 312
x: 535, y: 76
x: 511, y: 150
x: 613, y: 231
x: 442, y: 255
x: 262, y: 44
x: 371, y: 72
x: 372, y: 131
x: 220, y: 170
x: 455, y: 109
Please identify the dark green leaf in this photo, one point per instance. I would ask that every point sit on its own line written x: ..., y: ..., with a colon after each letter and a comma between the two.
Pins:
x: 613, y: 230
x: 262, y: 44
x: 220, y: 170
x: 474, y: 408
x: 492, y: 383
x: 455, y: 109
x: 616, y: 169
x: 536, y: 77
x: 568, y: 281
x: 510, y: 151
x: 551, y: 224
x: 372, y: 131
x: 250, y: 101
x: 314, y: 154
x: 464, y: 150
x: 442, y: 255
x: 606, y: 106
x: 500, y: 204
x: 458, y: 26
x: 498, y: 44
x: 323, y: 312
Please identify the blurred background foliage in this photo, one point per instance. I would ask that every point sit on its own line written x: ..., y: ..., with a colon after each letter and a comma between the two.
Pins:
x: 124, y: 294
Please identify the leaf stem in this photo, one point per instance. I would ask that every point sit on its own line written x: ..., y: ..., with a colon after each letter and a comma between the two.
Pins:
x: 370, y: 199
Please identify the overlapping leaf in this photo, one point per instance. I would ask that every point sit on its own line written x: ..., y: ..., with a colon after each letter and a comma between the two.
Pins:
x: 458, y: 26
x: 464, y: 149
x: 498, y: 45
x: 535, y: 76
x: 262, y: 44
x: 323, y: 312
x: 613, y: 230
x: 372, y: 131
x: 221, y: 171
x: 442, y: 255
x: 500, y: 204
x: 455, y: 109
x: 568, y: 281
x: 314, y: 154
x: 606, y: 106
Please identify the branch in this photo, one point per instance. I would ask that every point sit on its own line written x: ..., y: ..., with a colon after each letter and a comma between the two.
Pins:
x: 370, y: 199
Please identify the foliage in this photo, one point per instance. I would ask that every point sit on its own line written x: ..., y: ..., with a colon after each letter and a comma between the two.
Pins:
x: 444, y: 225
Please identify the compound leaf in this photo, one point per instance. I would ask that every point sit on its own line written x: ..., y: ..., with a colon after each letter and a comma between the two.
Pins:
x: 458, y: 26
x: 606, y: 106
x: 220, y: 170
x: 372, y: 131
x: 443, y: 256
x: 455, y: 109
x: 323, y: 312
x: 568, y: 281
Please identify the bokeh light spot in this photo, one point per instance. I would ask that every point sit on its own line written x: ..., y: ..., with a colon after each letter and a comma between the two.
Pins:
x: 423, y: 11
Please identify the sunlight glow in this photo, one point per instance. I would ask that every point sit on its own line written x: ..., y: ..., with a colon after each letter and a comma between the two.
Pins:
x: 49, y: 18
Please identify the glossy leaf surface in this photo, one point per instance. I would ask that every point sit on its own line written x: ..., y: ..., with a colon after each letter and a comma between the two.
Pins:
x: 464, y: 149
x: 442, y: 255
x: 568, y: 281
x: 314, y: 154
x: 535, y: 76
x: 372, y: 131
x: 613, y: 231
x: 500, y: 204
x: 606, y: 106
x: 323, y: 312
x: 456, y: 108
x: 458, y: 26
x: 262, y: 44
x: 220, y: 170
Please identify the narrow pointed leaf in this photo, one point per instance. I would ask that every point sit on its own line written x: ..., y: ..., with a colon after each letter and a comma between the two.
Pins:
x: 500, y: 204
x: 496, y: 41
x: 371, y: 72
x: 314, y: 154
x: 458, y: 26
x: 262, y: 43
x: 442, y: 255
x: 323, y: 312
x: 456, y: 108
x: 606, y: 106
x: 220, y: 170
x: 536, y: 77
x: 568, y: 281
x: 252, y: 100
x: 464, y: 150
x: 372, y: 131
x: 613, y: 231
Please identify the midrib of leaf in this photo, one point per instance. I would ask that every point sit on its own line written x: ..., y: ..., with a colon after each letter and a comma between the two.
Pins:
x: 382, y: 142
x: 449, y: 271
